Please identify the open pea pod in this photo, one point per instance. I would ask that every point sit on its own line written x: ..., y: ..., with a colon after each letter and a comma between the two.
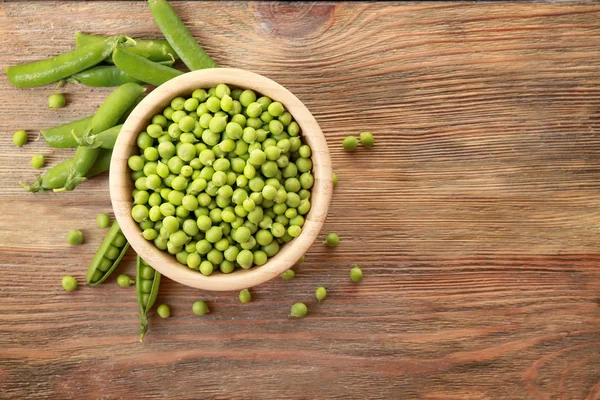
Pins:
x: 147, y: 281
x: 109, y: 255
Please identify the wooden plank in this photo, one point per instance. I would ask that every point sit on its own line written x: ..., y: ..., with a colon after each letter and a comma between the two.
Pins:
x: 475, y: 216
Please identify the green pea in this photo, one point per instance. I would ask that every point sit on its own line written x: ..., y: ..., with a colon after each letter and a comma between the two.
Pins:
x: 103, y: 220
x: 19, y: 138
x: 56, y: 100
x: 163, y: 311
x: 75, y: 237
x: 37, y: 161
x: 245, y: 259
x: 332, y: 240
x: 206, y: 268
x: 350, y: 143
x: 200, y: 308
x: 320, y: 293
x: 69, y: 283
x: 288, y: 275
x: 367, y: 139
x: 335, y: 179
x: 298, y: 310
x: 245, y: 296
x: 356, y: 274
x: 124, y: 280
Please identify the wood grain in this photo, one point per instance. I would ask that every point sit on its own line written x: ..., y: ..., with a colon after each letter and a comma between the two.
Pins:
x: 475, y: 216
x: 121, y: 185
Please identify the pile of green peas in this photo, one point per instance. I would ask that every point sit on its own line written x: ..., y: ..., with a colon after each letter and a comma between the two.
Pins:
x: 222, y: 179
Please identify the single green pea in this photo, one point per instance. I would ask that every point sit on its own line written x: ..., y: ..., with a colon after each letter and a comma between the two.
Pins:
x: 320, y: 293
x: 75, y: 237
x: 335, y: 179
x: 37, y: 161
x: 367, y: 139
x: 350, y: 143
x: 200, y: 308
x: 332, y: 240
x: 245, y: 296
x: 69, y: 283
x: 288, y: 275
x: 56, y: 100
x: 298, y: 310
x: 163, y: 311
x: 356, y: 274
x: 124, y: 280
x: 19, y: 138
x: 103, y: 220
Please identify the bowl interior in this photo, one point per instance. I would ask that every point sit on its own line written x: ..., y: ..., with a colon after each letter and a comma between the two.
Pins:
x: 121, y: 184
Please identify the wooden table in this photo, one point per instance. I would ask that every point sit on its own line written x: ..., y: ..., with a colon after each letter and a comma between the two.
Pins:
x: 476, y: 216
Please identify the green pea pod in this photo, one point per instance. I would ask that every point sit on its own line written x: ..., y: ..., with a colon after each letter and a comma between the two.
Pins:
x: 179, y: 37
x: 141, y: 68
x: 106, y: 76
x: 68, y: 174
x: 153, y: 50
x: 61, y: 136
x: 147, y: 281
x: 115, y: 105
x: 102, y: 163
x: 103, y: 140
x: 109, y: 255
x: 39, y: 73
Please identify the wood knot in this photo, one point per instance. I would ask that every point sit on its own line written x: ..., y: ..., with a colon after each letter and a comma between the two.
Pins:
x: 294, y: 19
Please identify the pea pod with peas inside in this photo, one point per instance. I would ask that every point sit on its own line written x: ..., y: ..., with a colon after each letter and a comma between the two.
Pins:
x: 109, y: 255
x: 179, y: 37
x: 142, y: 68
x: 153, y: 50
x: 107, y: 76
x: 147, y: 281
x: 43, y: 72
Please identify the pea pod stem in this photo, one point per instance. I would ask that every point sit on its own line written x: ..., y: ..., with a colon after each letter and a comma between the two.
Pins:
x: 153, y: 50
x: 104, y: 140
x: 43, y: 72
x: 179, y: 37
x: 141, y: 68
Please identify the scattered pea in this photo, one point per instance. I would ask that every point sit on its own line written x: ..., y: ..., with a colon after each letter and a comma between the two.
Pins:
x: 288, y: 275
x: 103, y: 220
x: 75, y: 237
x: 56, y: 100
x: 37, y: 161
x: 163, y: 311
x: 320, y: 293
x: 350, y: 143
x: 245, y: 296
x: 200, y: 308
x: 335, y: 179
x: 356, y: 274
x: 367, y: 139
x: 69, y: 283
x: 298, y: 310
x: 124, y: 280
x: 332, y: 239
x: 19, y: 138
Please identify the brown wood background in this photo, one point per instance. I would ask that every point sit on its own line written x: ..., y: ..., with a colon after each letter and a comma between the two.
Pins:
x: 476, y: 216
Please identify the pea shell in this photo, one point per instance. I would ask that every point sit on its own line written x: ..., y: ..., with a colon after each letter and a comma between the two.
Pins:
x: 104, y: 246
x: 145, y: 306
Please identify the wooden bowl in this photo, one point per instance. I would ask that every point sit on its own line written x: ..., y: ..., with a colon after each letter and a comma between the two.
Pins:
x: 121, y: 184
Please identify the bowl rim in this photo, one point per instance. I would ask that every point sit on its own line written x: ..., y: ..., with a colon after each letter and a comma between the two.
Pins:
x: 120, y: 182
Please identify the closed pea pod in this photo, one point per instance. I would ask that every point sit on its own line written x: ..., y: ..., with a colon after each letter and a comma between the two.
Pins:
x: 101, y: 164
x: 141, y: 68
x: 179, y: 37
x: 115, y: 105
x: 62, y: 136
x: 147, y: 281
x: 153, y: 50
x: 102, y: 76
x: 105, y: 262
x: 104, y: 140
x: 43, y: 72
